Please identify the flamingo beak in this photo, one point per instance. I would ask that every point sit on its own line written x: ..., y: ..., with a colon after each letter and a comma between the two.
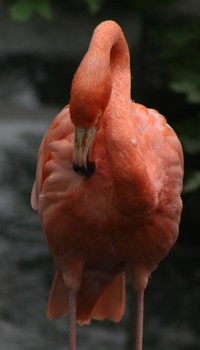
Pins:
x: 81, y: 155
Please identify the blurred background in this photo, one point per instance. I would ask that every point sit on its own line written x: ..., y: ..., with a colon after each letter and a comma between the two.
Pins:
x: 41, y: 44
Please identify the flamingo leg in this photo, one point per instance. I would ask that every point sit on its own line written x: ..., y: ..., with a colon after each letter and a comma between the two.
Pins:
x: 72, y: 319
x: 139, y: 319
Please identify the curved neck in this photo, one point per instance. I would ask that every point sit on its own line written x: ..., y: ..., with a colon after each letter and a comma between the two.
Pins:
x: 108, y: 43
x: 104, y: 69
x: 105, y: 66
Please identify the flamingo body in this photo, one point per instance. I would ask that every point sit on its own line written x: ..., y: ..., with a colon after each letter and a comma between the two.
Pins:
x: 126, y: 214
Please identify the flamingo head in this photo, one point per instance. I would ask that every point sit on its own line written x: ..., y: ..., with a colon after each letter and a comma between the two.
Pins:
x: 90, y: 94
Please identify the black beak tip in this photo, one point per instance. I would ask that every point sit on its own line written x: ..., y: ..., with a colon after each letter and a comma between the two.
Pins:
x: 85, y: 171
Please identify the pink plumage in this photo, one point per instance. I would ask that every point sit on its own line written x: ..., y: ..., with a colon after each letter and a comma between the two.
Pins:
x: 108, y: 183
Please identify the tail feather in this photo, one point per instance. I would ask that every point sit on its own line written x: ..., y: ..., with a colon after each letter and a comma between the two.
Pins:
x: 34, y: 197
x: 111, y: 303
x: 57, y: 303
x: 106, y: 301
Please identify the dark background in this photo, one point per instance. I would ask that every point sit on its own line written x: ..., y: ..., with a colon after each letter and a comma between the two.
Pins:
x: 41, y: 45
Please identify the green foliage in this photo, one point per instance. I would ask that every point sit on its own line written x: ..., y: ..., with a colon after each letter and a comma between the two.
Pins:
x: 22, y: 10
x: 188, y: 84
x: 192, y: 181
x: 94, y: 5
x: 178, y: 42
x: 146, y: 5
x: 177, y: 46
x: 189, y: 132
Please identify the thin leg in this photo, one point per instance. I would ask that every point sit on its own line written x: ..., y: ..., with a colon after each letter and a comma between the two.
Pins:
x: 72, y: 319
x: 139, y: 319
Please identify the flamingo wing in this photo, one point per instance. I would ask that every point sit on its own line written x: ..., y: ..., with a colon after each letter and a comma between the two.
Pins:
x: 100, y: 295
x: 163, y: 157
x: 60, y: 128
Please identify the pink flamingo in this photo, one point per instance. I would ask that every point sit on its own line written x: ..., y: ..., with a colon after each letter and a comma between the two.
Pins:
x: 108, y: 183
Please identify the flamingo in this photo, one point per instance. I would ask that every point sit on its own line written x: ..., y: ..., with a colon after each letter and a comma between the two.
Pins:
x: 108, y: 183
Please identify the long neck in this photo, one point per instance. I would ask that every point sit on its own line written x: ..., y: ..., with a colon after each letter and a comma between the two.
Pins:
x: 109, y: 44
x: 105, y: 65
x: 104, y: 74
x: 131, y: 182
